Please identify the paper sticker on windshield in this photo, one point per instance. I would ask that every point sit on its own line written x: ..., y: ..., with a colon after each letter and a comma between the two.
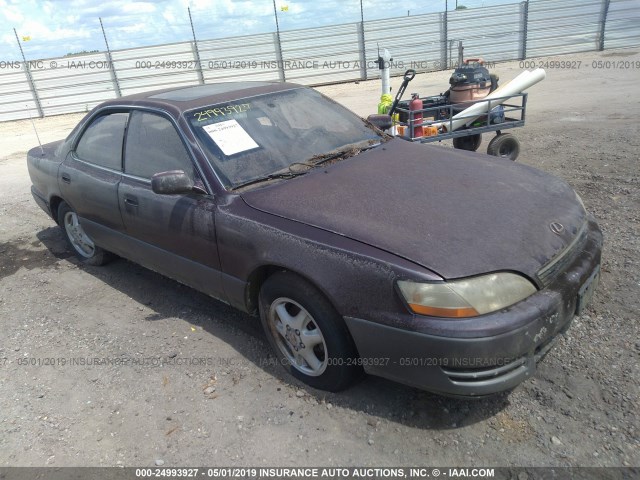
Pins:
x: 222, y: 111
x: 230, y: 137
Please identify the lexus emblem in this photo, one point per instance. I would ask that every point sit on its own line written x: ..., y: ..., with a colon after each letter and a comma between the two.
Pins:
x: 556, y: 227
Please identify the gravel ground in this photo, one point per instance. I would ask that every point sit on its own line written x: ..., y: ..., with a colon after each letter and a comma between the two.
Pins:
x: 237, y: 408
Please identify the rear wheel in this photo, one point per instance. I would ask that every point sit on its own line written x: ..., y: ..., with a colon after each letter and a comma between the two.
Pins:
x: 309, y: 337
x: 471, y: 142
x: 504, y: 145
x: 82, y: 245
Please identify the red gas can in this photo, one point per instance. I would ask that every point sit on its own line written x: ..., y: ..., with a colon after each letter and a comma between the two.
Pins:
x: 416, y: 104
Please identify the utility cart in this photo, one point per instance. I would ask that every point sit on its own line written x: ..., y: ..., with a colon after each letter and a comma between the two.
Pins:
x: 472, y: 106
x: 435, y: 122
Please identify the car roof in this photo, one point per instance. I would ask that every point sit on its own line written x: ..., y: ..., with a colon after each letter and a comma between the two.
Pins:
x: 178, y: 100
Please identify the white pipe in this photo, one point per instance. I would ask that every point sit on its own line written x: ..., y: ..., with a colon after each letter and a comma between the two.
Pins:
x: 386, y: 71
x: 518, y: 85
x: 519, y: 77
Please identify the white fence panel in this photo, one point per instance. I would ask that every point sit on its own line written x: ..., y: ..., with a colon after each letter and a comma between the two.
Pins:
x: 153, y: 68
x: 623, y: 24
x: 558, y: 27
x: 73, y: 84
x: 247, y: 58
x: 492, y: 33
x: 320, y: 55
x: 16, y: 98
x: 414, y: 42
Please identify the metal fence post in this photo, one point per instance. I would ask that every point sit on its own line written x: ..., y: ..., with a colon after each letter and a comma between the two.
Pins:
x: 279, y: 61
x: 32, y: 85
x: 363, y: 55
x: 524, y: 29
x: 114, y: 77
x: 278, y: 45
x: 196, y: 52
x: 361, y: 39
x: 444, y: 41
x: 603, y: 23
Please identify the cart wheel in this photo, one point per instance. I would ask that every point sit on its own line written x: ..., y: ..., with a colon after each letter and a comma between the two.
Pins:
x: 504, y: 145
x: 471, y: 142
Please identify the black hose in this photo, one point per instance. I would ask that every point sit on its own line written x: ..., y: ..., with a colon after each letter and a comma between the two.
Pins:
x: 408, y: 76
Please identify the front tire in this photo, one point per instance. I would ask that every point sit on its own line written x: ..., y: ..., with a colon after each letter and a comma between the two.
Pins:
x: 308, y: 336
x: 81, y: 244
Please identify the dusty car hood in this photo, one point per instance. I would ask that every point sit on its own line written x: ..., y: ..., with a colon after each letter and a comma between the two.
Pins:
x: 454, y: 212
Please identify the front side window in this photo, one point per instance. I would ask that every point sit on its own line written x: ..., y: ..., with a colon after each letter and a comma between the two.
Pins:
x: 101, y: 142
x: 154, y: 146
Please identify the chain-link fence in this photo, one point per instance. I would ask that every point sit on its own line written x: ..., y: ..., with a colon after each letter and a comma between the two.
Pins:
x: 310, y: 56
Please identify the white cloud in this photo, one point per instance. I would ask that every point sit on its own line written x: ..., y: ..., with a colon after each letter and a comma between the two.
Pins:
x: 40, y: 32
x: 199, y: 4
x: 133, y: 29
x: 229, y: 6
x: 138, y: 7
x: 12, y: 13
x: 169, y: 15
x: 57, y: 27
x: 8, y: 39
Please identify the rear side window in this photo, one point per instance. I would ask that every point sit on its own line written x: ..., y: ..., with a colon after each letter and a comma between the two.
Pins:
x: 101, y: 142
x: 154, y: 146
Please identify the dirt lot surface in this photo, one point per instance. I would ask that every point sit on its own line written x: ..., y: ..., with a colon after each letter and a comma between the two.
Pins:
x: 238, y: 409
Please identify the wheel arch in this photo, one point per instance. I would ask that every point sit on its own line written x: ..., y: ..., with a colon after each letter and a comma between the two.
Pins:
x: 255, y: 280
x: 260, y: 275
x: 54, y: 204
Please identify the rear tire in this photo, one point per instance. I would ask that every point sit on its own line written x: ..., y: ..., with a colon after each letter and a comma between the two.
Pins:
x: 470, y: 143
x: 504, y: 145
x: 308, y: 336
x: 81, y: 244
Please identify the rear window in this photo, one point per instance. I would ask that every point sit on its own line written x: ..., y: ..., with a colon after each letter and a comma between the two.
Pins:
x: 101, y: 142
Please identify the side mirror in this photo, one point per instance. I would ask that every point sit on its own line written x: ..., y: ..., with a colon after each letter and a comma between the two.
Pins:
x: 171, y: 183
x: 383, y: 122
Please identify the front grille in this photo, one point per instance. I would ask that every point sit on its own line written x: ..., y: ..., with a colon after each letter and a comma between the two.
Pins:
x: 560, y: 262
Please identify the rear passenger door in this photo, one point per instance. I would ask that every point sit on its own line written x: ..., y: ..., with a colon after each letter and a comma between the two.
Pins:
x: 172, y: 234
x: 89, y: 176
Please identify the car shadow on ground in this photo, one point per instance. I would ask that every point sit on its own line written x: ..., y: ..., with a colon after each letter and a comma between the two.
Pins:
x: 29, y: 255
x: 167, y: 299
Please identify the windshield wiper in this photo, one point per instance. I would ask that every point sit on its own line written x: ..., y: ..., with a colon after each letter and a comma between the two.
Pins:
x: 345, y: 151
x: 285, y: 173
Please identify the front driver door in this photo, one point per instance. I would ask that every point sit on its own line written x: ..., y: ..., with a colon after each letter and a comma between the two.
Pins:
x: 172, y: 234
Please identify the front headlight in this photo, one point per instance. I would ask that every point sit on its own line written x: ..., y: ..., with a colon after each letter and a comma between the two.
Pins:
x: 466, y: 298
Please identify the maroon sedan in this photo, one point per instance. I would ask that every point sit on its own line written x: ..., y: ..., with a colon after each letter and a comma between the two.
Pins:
x: 438, y: 268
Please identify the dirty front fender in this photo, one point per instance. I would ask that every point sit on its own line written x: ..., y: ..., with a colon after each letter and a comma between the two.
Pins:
x: 358, y: 279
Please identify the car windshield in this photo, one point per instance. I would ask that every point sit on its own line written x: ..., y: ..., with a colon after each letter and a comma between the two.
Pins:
x: 266, y: 136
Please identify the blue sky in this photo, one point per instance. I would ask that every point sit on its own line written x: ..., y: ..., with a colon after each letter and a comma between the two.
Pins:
x: 60, y: 27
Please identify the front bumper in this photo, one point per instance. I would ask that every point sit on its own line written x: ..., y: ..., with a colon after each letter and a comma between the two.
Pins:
x: 483, y: 355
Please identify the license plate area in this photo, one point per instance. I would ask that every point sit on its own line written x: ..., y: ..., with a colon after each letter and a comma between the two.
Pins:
x: 588, y: 288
